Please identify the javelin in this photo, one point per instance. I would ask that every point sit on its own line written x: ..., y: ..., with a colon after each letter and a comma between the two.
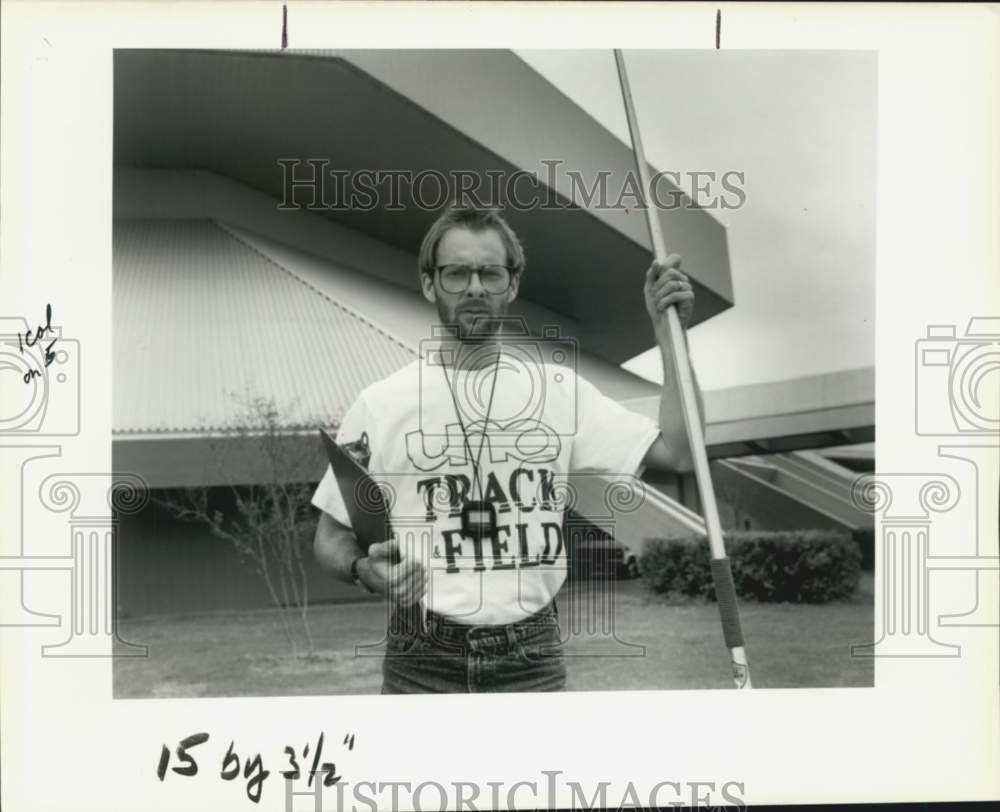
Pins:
x: 722, y: 574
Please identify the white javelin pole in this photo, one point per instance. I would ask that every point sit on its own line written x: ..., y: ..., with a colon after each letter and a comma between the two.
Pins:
x: 722, y: 575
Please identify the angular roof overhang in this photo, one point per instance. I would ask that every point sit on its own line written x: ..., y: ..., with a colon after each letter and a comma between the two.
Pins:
x: 814, y: 411
x: 238, y: 113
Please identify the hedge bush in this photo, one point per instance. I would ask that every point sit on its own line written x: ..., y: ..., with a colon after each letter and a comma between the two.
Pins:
x: 794, y: 566
x: 866, y: 541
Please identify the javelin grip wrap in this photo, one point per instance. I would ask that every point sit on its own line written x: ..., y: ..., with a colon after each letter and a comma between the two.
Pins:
x: 725, y: 593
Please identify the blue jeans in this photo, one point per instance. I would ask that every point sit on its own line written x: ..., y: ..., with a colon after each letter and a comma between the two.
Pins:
x: 453, y: 657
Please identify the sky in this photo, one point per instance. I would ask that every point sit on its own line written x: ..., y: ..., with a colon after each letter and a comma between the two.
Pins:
x: 801, y: 125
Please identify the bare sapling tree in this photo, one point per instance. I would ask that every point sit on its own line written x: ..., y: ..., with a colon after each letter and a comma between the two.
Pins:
x: 271, y: 522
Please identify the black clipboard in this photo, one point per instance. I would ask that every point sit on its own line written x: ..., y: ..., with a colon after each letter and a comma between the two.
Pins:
x: 363, y: 497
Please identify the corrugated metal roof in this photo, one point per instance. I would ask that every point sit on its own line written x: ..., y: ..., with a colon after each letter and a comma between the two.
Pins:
x: 203, y: 322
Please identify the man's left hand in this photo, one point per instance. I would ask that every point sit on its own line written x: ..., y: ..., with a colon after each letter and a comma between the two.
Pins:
x: 666, y: 285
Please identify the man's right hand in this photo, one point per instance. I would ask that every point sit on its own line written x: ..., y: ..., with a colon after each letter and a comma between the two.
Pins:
x: 404, y: 581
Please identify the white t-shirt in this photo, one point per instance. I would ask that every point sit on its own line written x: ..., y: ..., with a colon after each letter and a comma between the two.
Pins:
x: 545, y: 422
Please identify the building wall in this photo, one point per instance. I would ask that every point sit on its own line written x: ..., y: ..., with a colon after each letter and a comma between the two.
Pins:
x: 742, y: 501
x: 168, y: 566
x: 744, y: 505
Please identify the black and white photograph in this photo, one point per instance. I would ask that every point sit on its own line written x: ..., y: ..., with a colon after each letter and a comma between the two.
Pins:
x: 375, y: 244
x: 420, y: 405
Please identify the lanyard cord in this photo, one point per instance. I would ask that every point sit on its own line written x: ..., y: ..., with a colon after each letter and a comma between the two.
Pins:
x: 465, y: 435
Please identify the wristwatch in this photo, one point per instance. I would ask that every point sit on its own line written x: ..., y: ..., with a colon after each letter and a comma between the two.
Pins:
x: 356, y: 578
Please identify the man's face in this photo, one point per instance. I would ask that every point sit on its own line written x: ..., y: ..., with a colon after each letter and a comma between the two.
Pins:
x: 474, y: 310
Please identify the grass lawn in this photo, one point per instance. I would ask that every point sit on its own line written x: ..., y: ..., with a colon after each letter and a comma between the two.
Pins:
x: 246, y: 654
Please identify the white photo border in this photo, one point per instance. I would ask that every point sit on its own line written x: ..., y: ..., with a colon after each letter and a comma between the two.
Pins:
x: 927, y: 731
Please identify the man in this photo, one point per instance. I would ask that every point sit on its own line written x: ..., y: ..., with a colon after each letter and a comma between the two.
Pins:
x: 472, y: 446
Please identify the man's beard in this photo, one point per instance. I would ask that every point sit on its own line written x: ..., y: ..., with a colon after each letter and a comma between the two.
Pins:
x: 473, y: 327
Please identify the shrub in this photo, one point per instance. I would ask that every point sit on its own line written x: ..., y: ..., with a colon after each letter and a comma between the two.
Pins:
x: 795, y: 566
x: 866, y: 541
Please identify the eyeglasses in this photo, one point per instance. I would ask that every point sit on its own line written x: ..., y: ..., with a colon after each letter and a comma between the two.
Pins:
x: 456, y: 278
